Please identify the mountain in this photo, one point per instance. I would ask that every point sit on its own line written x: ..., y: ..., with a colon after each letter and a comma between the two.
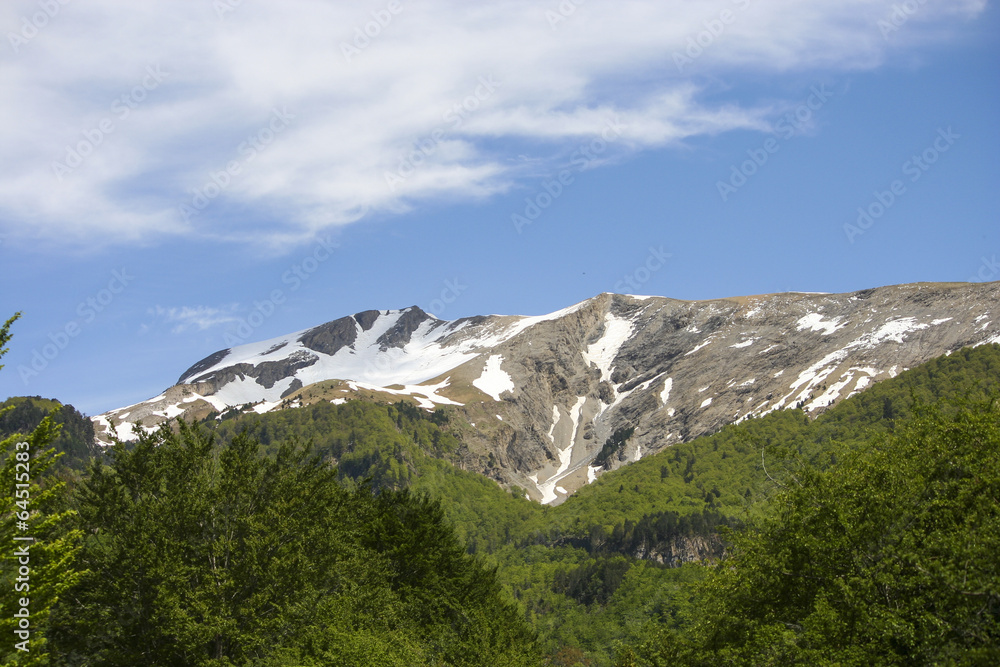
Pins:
x: 75, y: 439
x: 555, y: 400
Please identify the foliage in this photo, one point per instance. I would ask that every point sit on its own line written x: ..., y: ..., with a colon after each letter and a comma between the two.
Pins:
x: 74, y: 437
x: 594, y: 581
x: 887, y: 558
x: 662, y: 507
x: 731, y: 471
x: 209, y: 554
x: 613, y: 446
x: 867, y: 535
x: 38, y: 570
x: 6, y: 335
x: 399, y: 446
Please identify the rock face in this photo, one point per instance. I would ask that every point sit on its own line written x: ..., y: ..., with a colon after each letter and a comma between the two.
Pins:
x: 692, y: 549
x: 544, y: 394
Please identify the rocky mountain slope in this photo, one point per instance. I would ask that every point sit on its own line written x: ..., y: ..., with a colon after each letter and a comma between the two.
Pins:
x: 545, y: 394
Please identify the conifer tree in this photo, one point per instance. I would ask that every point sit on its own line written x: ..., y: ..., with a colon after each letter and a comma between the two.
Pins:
x: 39, y: 548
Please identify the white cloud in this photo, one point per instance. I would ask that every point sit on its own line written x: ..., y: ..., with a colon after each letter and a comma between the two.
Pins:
x: 556, y: 86
x: 199, y: 318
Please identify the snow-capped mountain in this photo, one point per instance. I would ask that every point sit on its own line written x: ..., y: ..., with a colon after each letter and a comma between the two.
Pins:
x: 545, y: 393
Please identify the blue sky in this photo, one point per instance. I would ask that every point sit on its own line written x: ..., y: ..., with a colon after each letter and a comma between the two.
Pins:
x: 737, y: 166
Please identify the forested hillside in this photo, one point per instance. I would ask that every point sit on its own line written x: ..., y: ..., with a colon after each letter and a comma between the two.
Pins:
x: 201, y: 554
x: 596, y: 569
x: 346, y: 534
x: 886, y: 558
x: 76, y: 432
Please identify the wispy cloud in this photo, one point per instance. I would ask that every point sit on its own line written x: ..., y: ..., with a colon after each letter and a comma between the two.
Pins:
x: 198, y: 318
x: 363, y: 103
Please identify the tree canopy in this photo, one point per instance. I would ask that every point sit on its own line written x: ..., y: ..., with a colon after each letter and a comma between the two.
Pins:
x: 206, y: 554
x: 888, y: 558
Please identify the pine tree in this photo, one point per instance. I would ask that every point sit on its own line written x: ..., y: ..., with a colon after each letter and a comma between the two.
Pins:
x: 39, y: 547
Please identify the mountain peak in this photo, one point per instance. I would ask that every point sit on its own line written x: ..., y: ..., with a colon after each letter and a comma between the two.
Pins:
x: 545, y: 393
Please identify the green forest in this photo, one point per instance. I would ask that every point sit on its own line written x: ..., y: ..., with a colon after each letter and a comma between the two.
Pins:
x: 348, y: 535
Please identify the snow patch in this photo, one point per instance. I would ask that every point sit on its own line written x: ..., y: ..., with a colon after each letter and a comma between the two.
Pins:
x: 170, y: 412
x: 548, y: 488
x: 894, y: 330
x: 860, y: 386
x: 575, y: 415
x: 126, y: 431
x: 265, y: 406
x: 707, y: 402
x: 603, y: 352
x: 703, y: 344
x: 815, y: 322
x: 425, y: 394
x: 810, y: 378
x: 494, y: 380
x: 746, y: 343
x: 101, y: 423
x: 665, y: 394
x: 433, y: 349
x: 619, y: 397
x: 247, y: 390
x: 831, y: 394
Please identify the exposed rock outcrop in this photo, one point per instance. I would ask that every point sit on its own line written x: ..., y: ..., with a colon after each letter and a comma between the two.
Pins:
x: 545, y: 393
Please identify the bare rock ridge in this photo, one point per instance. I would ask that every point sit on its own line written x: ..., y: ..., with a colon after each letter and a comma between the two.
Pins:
x: 545, y: 394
